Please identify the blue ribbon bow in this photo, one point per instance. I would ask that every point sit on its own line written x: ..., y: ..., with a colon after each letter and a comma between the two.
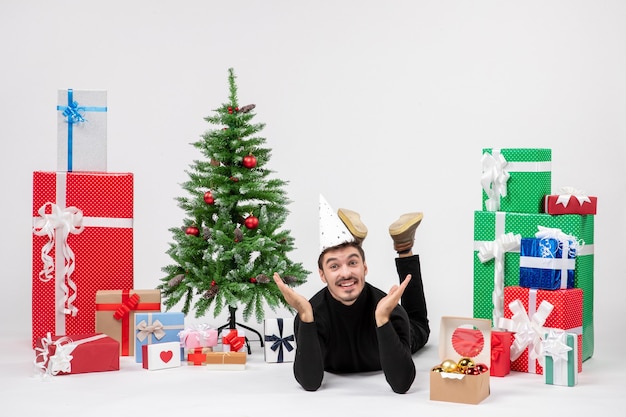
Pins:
x: 279, y: 341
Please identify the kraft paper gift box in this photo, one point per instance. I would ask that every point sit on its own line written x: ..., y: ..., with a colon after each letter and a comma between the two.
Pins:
x: 570, y: 201
x: 516, y: 179
x: 280, y: 342
x: 152, y: 328
x: 493, y: 230
x: 160, y: 356
x: 560, y: 351
x: 462, y: 338
x: 198, y: 336
x: 500, y: 352
x: 529, y: 313
x: 226, y: 361
x: 81, y: 130
x: 82, y: 242
x: 197, y: 356
x: 115, y: 314
x: 76, y: 354
x: 547, y: 263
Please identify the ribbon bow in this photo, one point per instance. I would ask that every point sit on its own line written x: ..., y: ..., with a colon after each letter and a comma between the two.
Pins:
x: 569, y: 244
x: 279, y: 341
x: 568, y: 193
x: 495, y: 250
x: 497, y: 348
x: 528, y: 330
x: 58, y: 225
x: 233, y: 339
x: 72, y: 112
x: 126, y: 306
x: 201, y: 333
x: 494, y: 178
x: 555, y: 345
x: 61, y: 361
x: 145, y: 330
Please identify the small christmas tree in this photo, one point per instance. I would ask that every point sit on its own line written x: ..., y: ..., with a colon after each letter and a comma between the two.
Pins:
x: 231, y: 241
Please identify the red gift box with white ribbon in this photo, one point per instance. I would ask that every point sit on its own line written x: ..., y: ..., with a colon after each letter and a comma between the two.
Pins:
x: 570, y: 201
x: 529, y: 313
x: 82, y: 242
x: 76, y: 354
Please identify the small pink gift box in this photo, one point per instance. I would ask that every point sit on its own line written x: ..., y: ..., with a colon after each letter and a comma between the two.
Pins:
x: 198, y: 336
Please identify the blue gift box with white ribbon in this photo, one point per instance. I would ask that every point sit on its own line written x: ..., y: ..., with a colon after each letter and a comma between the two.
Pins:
x: 547, y: 263
x: 81, y: 130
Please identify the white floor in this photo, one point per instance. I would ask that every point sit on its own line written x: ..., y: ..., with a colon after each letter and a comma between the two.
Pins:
x: 270, y: 389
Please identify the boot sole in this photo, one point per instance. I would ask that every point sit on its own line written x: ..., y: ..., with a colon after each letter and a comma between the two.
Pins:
x: 353, y: 222
x: 404, y: 223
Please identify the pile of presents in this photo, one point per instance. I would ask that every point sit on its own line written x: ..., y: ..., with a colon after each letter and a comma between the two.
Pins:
x: 86, y: 313
x: 533, y: 279
x: 533, y: 275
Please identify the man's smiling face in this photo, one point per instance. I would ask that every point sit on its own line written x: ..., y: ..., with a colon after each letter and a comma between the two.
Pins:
x: 343, y: 271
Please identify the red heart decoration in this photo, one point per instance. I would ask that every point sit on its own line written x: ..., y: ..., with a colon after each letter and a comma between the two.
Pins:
x: 167, y: 355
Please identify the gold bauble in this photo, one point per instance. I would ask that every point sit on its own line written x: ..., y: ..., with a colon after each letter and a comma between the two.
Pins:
x: 449, y: 365
x: 437, y: 369
x: 465, y: 363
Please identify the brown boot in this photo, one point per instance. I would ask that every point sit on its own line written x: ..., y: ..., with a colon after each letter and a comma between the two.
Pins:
x: 402, y: 231
x: 353, y: 222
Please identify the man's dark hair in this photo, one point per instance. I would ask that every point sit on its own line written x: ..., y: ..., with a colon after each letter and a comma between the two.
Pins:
x: 340, y: 246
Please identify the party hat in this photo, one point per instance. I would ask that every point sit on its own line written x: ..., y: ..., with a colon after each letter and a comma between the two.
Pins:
x: 332, y: 230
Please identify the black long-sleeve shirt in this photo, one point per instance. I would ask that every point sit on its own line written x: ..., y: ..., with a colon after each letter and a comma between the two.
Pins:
x: 345, y: 339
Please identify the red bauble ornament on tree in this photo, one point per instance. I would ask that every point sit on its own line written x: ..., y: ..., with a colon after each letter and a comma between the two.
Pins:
x: 251, y: 222
x: 234, y: 179
x: 249, y: 161
x: 253, y: 280
x: 208, y: 197
x: 192, y: 230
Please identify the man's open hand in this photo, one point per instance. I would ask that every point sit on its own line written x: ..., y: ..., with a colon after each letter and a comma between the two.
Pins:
x: 389, y: 302
x: 294, y: 299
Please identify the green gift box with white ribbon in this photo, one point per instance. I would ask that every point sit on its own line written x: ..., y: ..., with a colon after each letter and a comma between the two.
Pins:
x: 516, y: 179
x: 560, y: 350
x: 497, y: 260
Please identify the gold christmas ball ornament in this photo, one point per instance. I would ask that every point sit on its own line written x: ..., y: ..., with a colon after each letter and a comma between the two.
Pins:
x: 465, y: 363
x: 437, y: 369
x: 449, y: 365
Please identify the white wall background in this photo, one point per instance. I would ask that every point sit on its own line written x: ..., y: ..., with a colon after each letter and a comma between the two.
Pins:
x: 383, y: 107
